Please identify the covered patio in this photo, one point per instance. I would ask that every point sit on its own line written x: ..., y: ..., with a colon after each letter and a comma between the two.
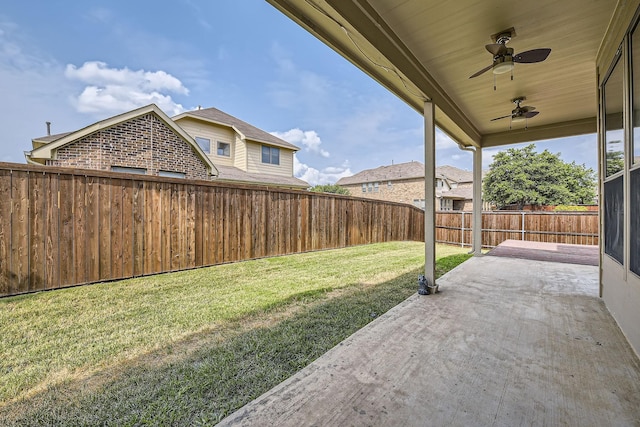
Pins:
x: 496, y: 72
x: 505, y: 342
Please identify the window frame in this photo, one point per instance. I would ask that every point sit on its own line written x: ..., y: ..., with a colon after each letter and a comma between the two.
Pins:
x: 199, y: 140
x: 272, y: 155
x: 128, y: 169
x: 228, y: 149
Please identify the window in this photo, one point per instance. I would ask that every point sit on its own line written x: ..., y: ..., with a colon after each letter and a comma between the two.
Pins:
x: 370, y: 187
x: 613, y: 209
x: 270, y: 155
x: 635, y: 83
x: 634, y: 231
x: 389, y: 184
x: 364, y: 188
x: 613, y: 123
x: 205, y: 144
x: 172, y: 174
x: 124, y: 169
x: 439, y: 183
x: 375, y: 187
x: 224, y: 149
x: 419, y: 203
x: 614, y: 219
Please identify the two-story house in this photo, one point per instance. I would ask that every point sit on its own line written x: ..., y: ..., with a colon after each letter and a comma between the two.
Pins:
x: 404, y: 183
x: 141, y: 141
x: 201, y: 144
x: 240, y: 151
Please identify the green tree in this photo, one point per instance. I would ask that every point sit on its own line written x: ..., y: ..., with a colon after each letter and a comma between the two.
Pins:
x: 615, y: 161
x: 525, y: 177
x: 330, y: 188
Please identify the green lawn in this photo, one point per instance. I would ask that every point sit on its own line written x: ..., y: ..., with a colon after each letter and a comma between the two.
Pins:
x: 188, y: 348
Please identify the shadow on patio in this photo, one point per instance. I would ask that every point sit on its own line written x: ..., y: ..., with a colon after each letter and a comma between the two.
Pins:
x: 506, y: 342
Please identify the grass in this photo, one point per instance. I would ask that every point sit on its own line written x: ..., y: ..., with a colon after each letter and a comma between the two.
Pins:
x: 188, y: 348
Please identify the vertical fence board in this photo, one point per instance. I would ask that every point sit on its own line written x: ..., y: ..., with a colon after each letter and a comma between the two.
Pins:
x: 66, y: 235
x: 104, y: 227
x: 152, y: 226
x: 52, y: 238
x: 219, y: 220
x: 80, y: 229
x: 199, y: 224
x: 190, y: 227
x: 5, y: 233
x: 20, y: 232
x: 164, y: 213
x: 127, y: 228
x: 37, y: 211
x: 175, y: 227
x: 117, y: 233
x: 247, y: 239
x: 93, y: 227
x: 138, y: 227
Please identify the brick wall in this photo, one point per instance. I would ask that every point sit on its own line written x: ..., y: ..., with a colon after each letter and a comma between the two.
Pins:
x: 143, y: 142
x: 403, y: 191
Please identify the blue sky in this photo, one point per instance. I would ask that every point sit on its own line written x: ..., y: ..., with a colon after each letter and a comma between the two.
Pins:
x: 73, y: 63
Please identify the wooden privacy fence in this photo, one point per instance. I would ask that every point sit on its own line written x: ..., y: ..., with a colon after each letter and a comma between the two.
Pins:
x: 64, y: 227
x: 557, y: 227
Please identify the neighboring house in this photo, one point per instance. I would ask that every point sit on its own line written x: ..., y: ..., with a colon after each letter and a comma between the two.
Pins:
x: 241, y: 152
x: 142, y: 141
x: 404, y: 182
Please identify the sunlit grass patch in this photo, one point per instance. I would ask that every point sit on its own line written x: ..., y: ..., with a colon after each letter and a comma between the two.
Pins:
x: 189, y: 347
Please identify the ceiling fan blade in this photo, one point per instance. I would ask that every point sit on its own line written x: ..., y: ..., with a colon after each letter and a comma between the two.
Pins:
x: 531, y: 56
x: 496, y: 49
x: 530, y: 114
x: 484, y: 70
x: 527, y: 108
x: 503, y: 117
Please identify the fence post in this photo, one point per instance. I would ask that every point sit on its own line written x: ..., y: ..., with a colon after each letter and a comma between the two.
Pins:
x: 522, y: 238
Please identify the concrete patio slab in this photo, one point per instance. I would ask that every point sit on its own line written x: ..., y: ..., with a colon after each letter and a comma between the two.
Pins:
x: 506, y: 342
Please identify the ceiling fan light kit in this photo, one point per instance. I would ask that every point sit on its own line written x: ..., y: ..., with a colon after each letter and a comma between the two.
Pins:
x: 504, y: 65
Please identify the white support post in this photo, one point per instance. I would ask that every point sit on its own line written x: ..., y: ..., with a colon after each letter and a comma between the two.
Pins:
x: 477, y: 201
x: 429, y: 194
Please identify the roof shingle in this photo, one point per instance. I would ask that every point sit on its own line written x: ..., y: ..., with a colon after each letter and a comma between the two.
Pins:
x: 409, y: 170
x: 249, y: 131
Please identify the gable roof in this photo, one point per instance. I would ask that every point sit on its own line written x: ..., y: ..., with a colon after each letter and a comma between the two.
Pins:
x: 454, y: 174
x: 402, y: 171
x: 45, y: 147
x: 233, y: 174
x: 247, y: 131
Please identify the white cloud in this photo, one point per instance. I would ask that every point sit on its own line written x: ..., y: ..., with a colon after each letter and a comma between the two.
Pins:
x: 328, y: 175
x: 113, y: 90
x: 307, y: 138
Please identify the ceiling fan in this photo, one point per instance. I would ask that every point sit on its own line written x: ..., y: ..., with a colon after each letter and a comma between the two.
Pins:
x: 504, y: 58
x: 519, y: 113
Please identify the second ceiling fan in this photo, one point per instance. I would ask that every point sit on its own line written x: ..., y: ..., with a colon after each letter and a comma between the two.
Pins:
x: 519, y: 113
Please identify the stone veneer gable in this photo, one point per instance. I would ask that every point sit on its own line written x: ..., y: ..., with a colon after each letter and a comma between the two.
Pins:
x: 142, y: 142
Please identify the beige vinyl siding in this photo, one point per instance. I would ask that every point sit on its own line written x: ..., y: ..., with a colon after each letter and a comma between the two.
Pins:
x: 255, y: 165
x: 240, y: 155
x: 213, y: 133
